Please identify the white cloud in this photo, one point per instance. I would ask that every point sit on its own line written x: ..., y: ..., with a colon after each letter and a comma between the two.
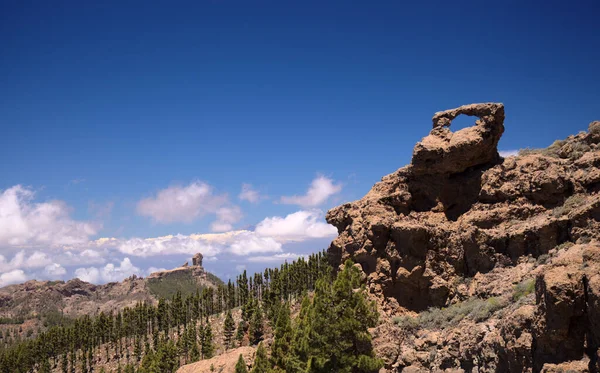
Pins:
x: 125, y: 269
x: 249, y: 243
x: 109, y: 273
x: 55, y: 270
x: 226, y: 217
x: 20, y: 260
x: 91, y: 274
x: 508, y: 153
x: 151, y: 270
x: 319, y: 191
x: 12, y: 277
x: 26, y: 223
x: 210, y: 245
x: 275, y: 258
x: 167, y: 245
x: 299, y: 226
x: 249, y: 194
x: 268, y: 237
x: 240, y: 267
x: 182, y: 204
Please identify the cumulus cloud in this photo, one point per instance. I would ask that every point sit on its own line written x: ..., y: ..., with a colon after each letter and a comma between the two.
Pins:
x: 319, y: 191
x: 108, y: 273
x: 12, y: 277
x: 24, y: 222
x: 275, y: 258
x: 182, y: 203
x: 55, y: 270
x: 210, y: 245
x: 91, y: 274
x: 226, y: 217
x: 268, y: 237
x: 250, y: 243
x: 508, y: 153
x: 21, y: 260
x: 249, y: 194
x: 299, y: 226
x: 166, y: 245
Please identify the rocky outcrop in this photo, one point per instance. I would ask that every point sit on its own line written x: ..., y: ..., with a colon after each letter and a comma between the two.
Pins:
x: 567, y: 321
x: 195, y: 272
x: 460, y: 213
x: 447, y: 152
x: 197, y: 260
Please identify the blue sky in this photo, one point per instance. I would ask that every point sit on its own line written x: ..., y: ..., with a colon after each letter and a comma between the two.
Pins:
x: 132, y: 121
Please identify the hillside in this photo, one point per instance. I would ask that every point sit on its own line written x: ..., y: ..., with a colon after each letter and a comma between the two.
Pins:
x: 481, y: 263
x: 49, y: 301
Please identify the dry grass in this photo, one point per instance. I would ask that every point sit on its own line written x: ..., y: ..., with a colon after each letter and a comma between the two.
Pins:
x: 570, y: 203
x: 439, y: 318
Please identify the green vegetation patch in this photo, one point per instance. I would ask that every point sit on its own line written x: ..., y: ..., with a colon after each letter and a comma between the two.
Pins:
x: 551, y: 151
x: 523, y: 288
x: 12, y: 320
x: 571, y: 203
x: 476, y: 309
x: 573, y: 150
x: 166, y: 287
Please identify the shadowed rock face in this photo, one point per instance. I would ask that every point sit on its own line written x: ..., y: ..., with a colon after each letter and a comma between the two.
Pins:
x: 197, y: 260
x: 460, y: 212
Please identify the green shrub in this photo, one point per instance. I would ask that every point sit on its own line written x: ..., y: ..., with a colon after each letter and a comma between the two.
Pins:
x: 570, y: 203
x: 476, y: 309
x: 564, y: 245
x: 523, y: 288
x: 551, y: 151
x: 578, y: 149
x: 542, y: 259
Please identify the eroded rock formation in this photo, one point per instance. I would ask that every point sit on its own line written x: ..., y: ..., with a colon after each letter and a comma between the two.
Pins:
x: 197, y: 260
x: 460, y: 214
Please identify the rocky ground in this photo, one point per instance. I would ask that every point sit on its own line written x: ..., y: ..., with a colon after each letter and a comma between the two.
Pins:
x: 479, y: 263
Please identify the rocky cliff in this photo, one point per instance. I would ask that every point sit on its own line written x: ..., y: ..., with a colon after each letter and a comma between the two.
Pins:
x: 455, y: 242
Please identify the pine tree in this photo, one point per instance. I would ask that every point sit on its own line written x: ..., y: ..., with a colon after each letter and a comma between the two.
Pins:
x: 241, y: 367
x: 83, y: 362
x: 72, y: 357
x: 64, y: 363
x: 299, y: 349
x: 239, y: 334
x: 137, y: 349
x: 228, y: 329
x: 255, y: 329
x: 208, y: 348
x: 194, y: 352
x: 44, y: 366
x: 283, y: 337
x: 332, y: 333
x: 261, y: 362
